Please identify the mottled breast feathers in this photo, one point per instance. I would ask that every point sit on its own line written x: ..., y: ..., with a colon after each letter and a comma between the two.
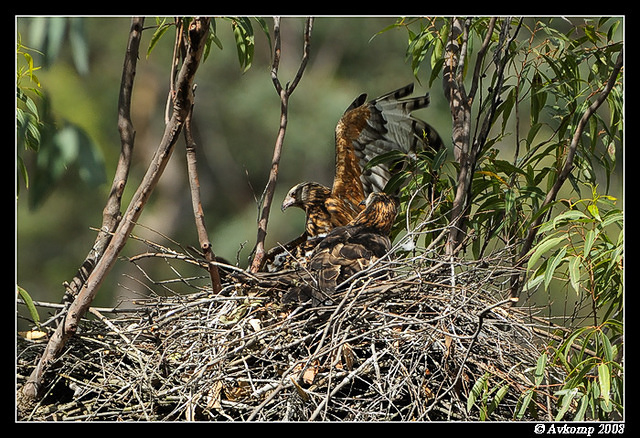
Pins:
x: 347, y: 250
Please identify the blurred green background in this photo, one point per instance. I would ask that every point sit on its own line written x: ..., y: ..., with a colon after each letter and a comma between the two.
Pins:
x: 236, y: 120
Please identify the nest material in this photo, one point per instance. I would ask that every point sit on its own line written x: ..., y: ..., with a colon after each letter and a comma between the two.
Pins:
x: 409, y: 347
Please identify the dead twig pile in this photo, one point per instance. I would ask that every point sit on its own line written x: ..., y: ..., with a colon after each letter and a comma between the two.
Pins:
x: 408, y: 347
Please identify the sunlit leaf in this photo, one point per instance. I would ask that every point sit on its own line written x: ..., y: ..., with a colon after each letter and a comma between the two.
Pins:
x: 574, y: 273
x: 553, y: 263
x: 476, y: 391
x: 541, y: 364
x: 604, y: 380
x: 29, y: 303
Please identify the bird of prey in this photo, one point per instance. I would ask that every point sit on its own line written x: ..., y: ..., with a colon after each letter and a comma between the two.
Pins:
x: 345, y: 251
x: 365, y: 131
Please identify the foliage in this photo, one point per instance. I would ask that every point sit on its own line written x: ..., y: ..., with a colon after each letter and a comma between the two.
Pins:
x: 580, y: 249
x: 53, y: 34
x: 28, y: 124
x: 242, y: 31
x: 552, y: 73
x: 60, y: 145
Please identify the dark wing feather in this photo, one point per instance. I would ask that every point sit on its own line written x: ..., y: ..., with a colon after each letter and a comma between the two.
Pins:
x: 367, y: 130
x: 391, y: 127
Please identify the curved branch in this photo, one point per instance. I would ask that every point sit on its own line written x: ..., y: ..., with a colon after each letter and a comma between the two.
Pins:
x: 111, y: 211
x: 198, y: 213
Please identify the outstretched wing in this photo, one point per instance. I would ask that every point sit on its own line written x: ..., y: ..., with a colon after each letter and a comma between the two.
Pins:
x: 368, y: 130
x: 391, y: 127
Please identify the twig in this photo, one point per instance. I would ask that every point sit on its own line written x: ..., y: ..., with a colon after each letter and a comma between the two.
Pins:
x: 198, y: 213
x: 284, y: 93
x: 346, y: 380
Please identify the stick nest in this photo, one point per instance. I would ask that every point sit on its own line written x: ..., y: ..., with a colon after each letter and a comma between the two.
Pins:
x: 408, y: 347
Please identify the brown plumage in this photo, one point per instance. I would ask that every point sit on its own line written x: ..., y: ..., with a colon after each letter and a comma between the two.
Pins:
x: 366, y: 130
x: 345, y: 251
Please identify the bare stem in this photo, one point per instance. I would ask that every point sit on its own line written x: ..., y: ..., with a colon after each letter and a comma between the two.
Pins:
x: 284, y: 93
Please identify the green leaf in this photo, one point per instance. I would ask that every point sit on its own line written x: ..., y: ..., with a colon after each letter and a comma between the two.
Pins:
x: 435, y: 70
x: 524, y: 404
x: 23, y: 171
x: 589, y: 240
x: 533, y: 132
x: 538, y: 97
x: 498, y: 398
x: 245, y: 42
x: 265, y: 29
x: 567, y: 398
x: 476, y: 391
x: 79, y: 44
x: 607, y: 348
x: 595, y: 212
x: 591, y: 34
x: 29, y: 303
x: 544, y: 246
x: 552, y: 265
x: 533, y: 282
x: 571, y: 215
x: 160, y: 30
x: 574, y: 273
x: 613, y: 216
x: 604, y: 381
x: 541, y: 364
x: 582, y: 408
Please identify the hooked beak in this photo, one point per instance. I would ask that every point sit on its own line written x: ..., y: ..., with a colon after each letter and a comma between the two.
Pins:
x: 288, y: 202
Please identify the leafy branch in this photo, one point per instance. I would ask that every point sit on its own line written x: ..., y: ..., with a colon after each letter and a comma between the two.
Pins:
x: 542, y: 97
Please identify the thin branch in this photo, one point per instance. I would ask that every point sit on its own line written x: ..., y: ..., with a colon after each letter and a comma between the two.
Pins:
x: 460, y: 108
x: 284, y: 93
x: 198, y: 213
x: 480, y: 58
x: 111, y: 212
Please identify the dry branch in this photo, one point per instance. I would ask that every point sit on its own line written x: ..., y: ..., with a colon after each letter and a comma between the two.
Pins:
x: 198, y: 212
x: 284, y: 93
